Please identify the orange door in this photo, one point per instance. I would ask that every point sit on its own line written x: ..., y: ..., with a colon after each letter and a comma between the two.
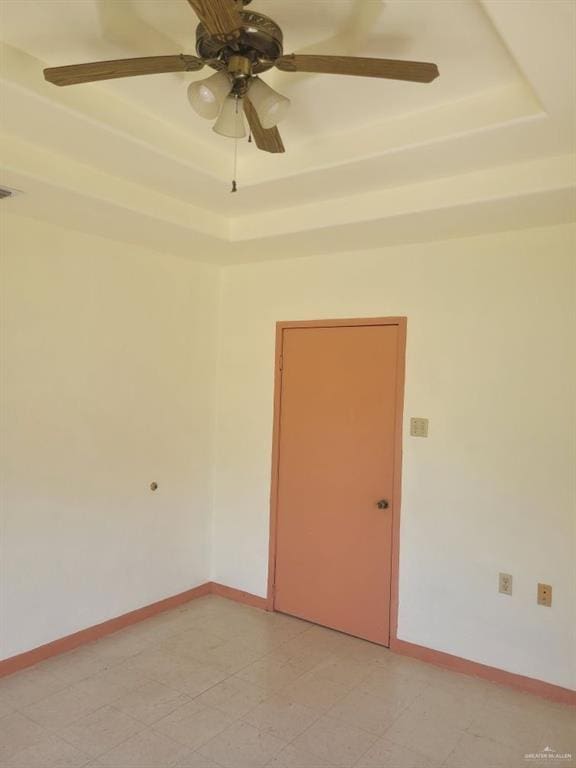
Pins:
x: 336, y: 462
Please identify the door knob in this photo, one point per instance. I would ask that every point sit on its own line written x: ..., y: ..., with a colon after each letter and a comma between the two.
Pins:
x: 382, y: 504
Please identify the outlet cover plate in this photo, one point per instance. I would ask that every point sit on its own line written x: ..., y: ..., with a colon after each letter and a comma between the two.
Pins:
x: 545, y: 595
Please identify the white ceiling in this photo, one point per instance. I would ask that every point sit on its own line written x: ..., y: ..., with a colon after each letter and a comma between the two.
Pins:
x: 368, y: 161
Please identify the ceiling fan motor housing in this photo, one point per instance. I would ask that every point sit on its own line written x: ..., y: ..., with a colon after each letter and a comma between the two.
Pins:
x: 260, y: 40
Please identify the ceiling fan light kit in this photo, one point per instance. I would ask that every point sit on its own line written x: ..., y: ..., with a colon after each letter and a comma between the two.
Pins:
x: 240, y: 45
x: 207, y: 96
x: 230, y: 122
x: 270, y: 105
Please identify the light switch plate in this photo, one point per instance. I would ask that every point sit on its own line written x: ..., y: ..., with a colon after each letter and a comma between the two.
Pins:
x: 418, y: 427
x: 505, y: 583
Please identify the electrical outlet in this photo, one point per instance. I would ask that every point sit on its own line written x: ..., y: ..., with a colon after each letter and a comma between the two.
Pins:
x: 505, y: 583
x: 418, y: 427
x: 545, y: 595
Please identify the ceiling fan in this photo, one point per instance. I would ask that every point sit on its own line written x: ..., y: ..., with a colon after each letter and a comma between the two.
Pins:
x: 240, y: 45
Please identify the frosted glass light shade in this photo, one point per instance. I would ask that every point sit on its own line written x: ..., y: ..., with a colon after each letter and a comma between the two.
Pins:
x: 231, y: 120
x: 207, y: 96
x: 270, y: 105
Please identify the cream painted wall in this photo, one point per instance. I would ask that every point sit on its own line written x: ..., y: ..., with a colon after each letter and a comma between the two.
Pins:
x: 490, y: 360
x: 108, y: 385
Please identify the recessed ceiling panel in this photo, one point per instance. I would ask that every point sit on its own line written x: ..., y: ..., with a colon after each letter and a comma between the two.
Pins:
x: 456, y: 35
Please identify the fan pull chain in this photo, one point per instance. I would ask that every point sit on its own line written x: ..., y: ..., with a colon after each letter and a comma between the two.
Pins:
x: 234, y: 185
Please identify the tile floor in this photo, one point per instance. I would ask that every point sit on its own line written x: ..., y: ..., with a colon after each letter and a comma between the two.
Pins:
x: 219, y: 685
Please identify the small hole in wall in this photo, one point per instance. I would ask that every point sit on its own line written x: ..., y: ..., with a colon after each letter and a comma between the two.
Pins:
x: 153, y: 486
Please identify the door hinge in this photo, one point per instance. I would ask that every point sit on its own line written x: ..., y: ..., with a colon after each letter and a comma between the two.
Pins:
x: 281, y: 363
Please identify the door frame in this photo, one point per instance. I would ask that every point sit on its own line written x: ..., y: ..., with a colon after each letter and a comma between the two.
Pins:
x: 401, y: 323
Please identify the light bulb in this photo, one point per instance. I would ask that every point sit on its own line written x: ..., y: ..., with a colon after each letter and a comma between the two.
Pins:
x: 270, y: 105
x: 231, y: 120
x: 207, y: 96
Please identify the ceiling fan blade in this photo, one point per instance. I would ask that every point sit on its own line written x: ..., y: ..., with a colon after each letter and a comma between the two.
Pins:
x: 267, y: 139
x: 220, y: 17
x: 108, y: 70
x: 392, y: 69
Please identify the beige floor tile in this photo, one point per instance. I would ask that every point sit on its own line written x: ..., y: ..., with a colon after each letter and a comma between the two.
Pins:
x: 28, y: 687
x: 316, y: 692
x: 148, y: 749
x: 18, y: 732
x: 266, y: 637
x: 161, y: 626
x: 173, y: 621
x: 76, y: 665
x: 323, y: 638
x: 282, y: 718
x: 6, y: 707
x: 360, y: 650
x: 233, y: 696
x: 430, y: 734
x: 186, y: 618
x: 151, y: 702
x: 120, y: 646
x: 287, y: 620
x: 195, y: 760
x: 193, y: 725
x: 302, y: 650
x: 227, y: 686
x: 411, y: 668
x: 231, y: 655
x: 191, y: 643
x: 62, y: 708
x: 291, y: 757
x: 242, y: 746
x: 386, y: 754
x: 198, y: 679
x: 462, y: 685
x: 226, y: 626
x: 335, y: 741
x: 147, y: 632
x: 306, y: 652
x: 364, y: 710
x: 445, y: 708
x: 550, y: 723
x: 200, y: 619
x: 504, y: 696
x: 347, y: 672
x: 189, y: 676
x: 250, y: 616
x: 392, y: 684
x: 270, y: 673
x: 476, y: 752
x: 293, y: 623
x: 261, y: 641
x: 560, y: 734
x: 521, y: 726
x: 52, y: 752
x: 158, y: 663
x: 100, y: 731
x: 110, y: 685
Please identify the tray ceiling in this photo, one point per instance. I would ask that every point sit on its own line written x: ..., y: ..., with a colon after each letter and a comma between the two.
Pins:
x: 504, y: 98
